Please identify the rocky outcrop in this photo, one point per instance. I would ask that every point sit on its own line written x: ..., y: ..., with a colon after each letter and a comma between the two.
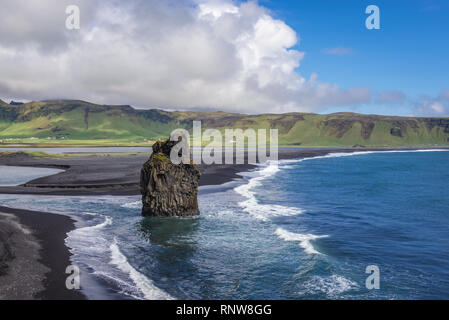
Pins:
x: 168, y: 190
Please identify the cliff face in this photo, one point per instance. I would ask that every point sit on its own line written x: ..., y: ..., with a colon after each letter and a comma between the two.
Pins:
x: 168, y: 190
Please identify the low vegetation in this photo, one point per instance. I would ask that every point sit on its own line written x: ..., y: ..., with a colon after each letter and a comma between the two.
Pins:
x: 78, y: 123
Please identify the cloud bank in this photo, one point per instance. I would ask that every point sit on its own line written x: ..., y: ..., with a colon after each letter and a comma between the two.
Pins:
x: 433, y: 106
x: 232, y: 56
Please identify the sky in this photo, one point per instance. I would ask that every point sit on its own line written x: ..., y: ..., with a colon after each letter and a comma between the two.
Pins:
x: 409, y: 54
x: 236, y: 56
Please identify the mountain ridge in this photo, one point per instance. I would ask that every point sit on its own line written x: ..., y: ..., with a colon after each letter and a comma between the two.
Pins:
x: 81, y: 120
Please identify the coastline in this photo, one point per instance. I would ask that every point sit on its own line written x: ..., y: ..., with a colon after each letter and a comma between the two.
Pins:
x: 50, y: 230
x: 119, y: 175
x: 47, y: 233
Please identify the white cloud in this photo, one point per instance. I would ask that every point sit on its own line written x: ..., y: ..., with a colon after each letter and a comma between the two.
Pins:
x: 216, y: 9
x: 433, y: 106
x: 437, y: 107
x: 202, y: 55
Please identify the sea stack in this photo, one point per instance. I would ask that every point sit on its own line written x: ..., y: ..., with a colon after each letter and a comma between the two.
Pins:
x: 168, y: 190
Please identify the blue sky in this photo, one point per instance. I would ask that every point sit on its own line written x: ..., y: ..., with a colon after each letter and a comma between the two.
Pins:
x: 409, y: 53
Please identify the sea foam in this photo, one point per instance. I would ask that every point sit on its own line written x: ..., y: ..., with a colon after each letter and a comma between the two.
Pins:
x: 89, y: 240
x: 90, y: 244
x: 290, y: 163
x: 133, y: 205
x: 332, y: 286
x: 107, y: 222
x: 145, y: 285
x: 252, y: 205
x: 303, y: 239
x: 358, y: 153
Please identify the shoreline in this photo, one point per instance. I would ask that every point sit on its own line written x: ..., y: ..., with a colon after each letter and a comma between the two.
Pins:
x: 50, y: 230
x: 119, y: 175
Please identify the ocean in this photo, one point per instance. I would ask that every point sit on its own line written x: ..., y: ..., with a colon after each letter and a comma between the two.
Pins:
x: 299, y: 229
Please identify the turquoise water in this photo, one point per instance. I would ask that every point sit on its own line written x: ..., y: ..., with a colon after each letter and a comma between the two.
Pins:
x: 305, y: 229
x: 13, y: 176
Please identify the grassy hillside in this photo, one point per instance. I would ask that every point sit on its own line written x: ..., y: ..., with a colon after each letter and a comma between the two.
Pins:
x: 72, y: 122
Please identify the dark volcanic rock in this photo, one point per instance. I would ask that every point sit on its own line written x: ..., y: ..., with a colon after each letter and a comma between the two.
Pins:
x: 15, y: 103
x: 397, y: 132
x: 168, y: 189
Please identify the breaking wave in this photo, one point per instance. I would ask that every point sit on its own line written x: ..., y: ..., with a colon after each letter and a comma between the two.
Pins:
x: 303, y: 239
x: 252, y: 205
x: 132, y: 205
x: 145, y: 285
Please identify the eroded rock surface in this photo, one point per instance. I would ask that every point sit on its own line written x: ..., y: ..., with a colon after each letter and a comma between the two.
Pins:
x: 168, y: 189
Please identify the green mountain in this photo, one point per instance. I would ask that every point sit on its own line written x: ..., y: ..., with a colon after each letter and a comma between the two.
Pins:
x: 79, y: 120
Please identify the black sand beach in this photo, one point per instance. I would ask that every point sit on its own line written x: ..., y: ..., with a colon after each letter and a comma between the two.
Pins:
x: 119, y: 174
x: 43, y: 248
x: 36, y: 257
